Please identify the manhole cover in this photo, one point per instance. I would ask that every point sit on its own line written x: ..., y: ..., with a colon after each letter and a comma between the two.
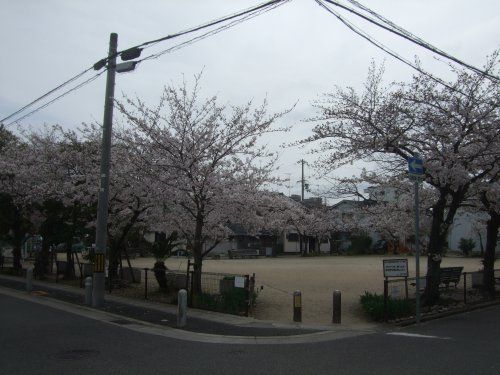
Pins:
x: 71, y: 355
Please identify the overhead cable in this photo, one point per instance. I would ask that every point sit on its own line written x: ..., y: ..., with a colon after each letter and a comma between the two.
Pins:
x: 205, y: 25
x: 408, y: 36
x: 47, y: 94
x: 215, y: 31
x: 384, y: 48
x: 236, y: 18
x: 80, y: 85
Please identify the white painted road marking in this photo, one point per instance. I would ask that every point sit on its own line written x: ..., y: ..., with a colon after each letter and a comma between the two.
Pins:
x: 416, y: 335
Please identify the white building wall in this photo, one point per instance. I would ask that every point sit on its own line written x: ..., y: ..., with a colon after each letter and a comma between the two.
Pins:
x: 468, y: 225
x: 291, y: 246
x: 222, y: 247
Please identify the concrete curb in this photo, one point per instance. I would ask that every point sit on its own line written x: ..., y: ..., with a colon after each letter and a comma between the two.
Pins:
x: 444, y: 314
x: 213, y: 316
x: 149, y: 328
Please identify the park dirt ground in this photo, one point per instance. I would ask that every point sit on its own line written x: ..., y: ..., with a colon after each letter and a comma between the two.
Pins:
x: 316, y: 278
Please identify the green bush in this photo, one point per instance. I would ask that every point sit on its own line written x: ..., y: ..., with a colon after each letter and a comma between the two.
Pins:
x: 234, y: 300
x: 207, y: 301
x: 231, y: 301
x: 373, y: 306
x: 360, y: 245
x: 466, y: 245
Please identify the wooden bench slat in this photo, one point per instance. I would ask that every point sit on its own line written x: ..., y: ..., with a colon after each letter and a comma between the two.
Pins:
x: 447, y: 276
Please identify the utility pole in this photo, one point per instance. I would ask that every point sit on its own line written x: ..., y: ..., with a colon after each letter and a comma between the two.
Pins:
x: 288, y: 179
x: 416, y: 172
x: 103, y: 201
x: 302, y: 181
x: 417, y: 252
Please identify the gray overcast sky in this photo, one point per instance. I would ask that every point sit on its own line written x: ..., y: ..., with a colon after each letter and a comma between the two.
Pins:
x: 292, y: 53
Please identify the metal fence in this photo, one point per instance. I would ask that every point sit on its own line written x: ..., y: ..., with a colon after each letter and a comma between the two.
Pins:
x: 228, y: 293
x: 467, y: 290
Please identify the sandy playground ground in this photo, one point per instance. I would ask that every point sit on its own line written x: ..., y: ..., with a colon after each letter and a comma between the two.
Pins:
x: 316, y: 277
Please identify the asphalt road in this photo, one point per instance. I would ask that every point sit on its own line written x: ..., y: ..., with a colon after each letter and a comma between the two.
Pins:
x: 37, y: 339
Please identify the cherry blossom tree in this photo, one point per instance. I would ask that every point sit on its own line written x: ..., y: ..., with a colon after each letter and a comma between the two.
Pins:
x: 391, y: 209
x: 68, y: 163
x: 489, y: 196
x: 24, y: 170
x: 454, y: 129
x: 203, y: 157
x: 19, y: 171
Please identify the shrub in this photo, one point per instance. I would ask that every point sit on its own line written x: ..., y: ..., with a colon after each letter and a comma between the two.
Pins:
x: 373, y: 306
x: 234, y: 300
x: 231, y: 301
x: 360, y: 245
x: 207, y: 301
x: 466, y: 245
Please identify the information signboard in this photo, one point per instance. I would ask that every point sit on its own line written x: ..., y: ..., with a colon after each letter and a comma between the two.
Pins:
x: 239, y: 282
x: 395, y: 267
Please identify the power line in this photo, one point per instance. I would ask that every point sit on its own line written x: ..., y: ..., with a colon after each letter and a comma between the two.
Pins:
x: 215, y: 22
x: 393, y: 28
x: 203, y: 26
x: 80, y: 85
x: 242, y: 15
x: 384, y: 48
x: 215, y: 31
x: 46, y: 94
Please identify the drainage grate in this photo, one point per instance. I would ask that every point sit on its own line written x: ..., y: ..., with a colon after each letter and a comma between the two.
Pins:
x: 72, y: 355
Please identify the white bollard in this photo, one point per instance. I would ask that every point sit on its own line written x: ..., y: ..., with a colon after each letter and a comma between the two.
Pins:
x: 88, y: 291
x: 182, y: 308
x: 29, y: 280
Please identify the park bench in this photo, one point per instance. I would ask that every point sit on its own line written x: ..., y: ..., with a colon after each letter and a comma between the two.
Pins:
x: 6, y: 260
x: 447, y: 276
x: 243, y: 253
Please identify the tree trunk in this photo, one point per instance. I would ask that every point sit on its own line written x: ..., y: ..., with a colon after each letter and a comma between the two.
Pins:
x: 116, y: 245
x: 18, y: 241
x: 114, y: 254
x: 480, y: 243
x: 489, y: 254
x: 437, y: 240
x: 159, y: 270
x: 197, y: 254
x: 42, y: 261
x: 70, y: 267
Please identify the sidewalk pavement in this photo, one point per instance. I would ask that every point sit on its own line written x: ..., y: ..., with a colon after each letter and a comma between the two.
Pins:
x: 126, y: 311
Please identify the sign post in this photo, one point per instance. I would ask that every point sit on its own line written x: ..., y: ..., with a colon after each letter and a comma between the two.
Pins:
x: 416, y: 172
x: 393, y: 268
